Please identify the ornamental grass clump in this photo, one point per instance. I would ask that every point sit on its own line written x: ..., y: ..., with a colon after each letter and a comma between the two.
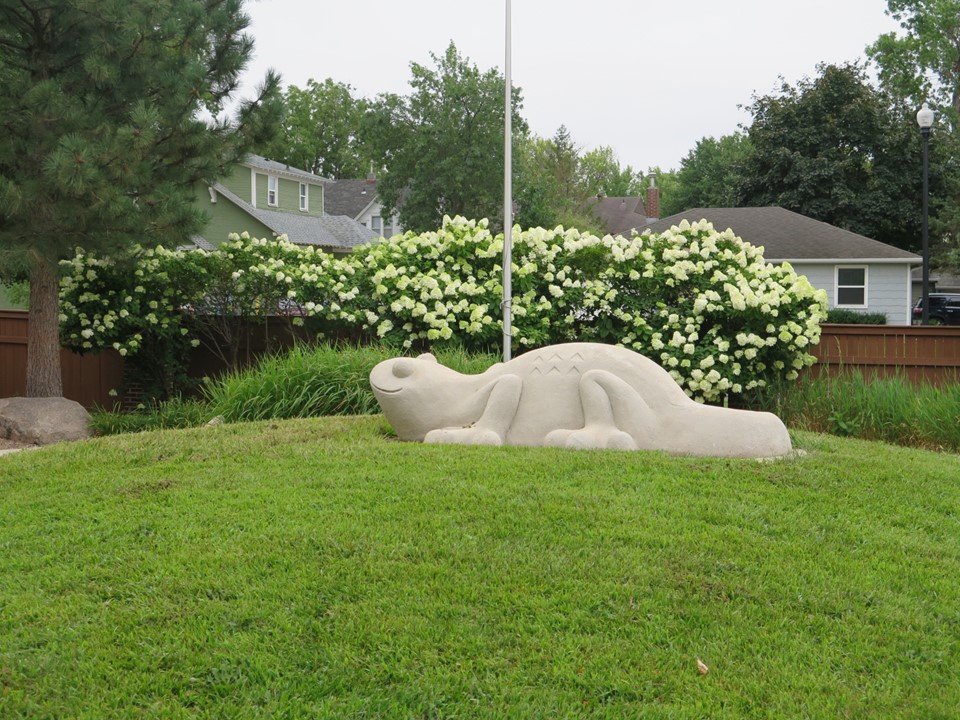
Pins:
x: 702, y: 303
x: 313, y: 381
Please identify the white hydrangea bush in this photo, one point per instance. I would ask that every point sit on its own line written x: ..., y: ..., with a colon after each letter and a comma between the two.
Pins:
x: 118, y: 303
x: 702, y: 303
x: 707, y: 307
x: 446, y: 286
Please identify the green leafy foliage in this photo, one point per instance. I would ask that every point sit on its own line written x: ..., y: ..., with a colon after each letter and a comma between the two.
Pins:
x: 102, y: 139
x: 601, y: 173
x: 709, y: 175
x: 320, y: 130
x: 314, y: 381
x: 305, y: 381
x: 169, y: 414
x: 835, y: 149
x: 922, y: 62
x: 442, y: 146
x: 102, y: 107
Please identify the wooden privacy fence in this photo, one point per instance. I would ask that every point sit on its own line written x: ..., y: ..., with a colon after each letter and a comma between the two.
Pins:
x: 922, y: 354
x: 88, y: 379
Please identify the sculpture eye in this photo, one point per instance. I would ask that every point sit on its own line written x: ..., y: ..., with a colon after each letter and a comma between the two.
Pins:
x: 402, y: 369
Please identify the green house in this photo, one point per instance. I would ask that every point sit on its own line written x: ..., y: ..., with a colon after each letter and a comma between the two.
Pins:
x: 267, y: 199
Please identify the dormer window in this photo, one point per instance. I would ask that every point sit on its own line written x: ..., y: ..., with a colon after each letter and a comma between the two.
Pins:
x: 304, y: 197
x: 273, y: 190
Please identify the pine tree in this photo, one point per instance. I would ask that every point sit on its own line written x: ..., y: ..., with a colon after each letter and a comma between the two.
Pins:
x: 111, y: 111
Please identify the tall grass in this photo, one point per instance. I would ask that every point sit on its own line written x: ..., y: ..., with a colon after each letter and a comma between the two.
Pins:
x: 310, y: 381
x: 890, y: 409
x: 174, y: 413
x: 307, y: 381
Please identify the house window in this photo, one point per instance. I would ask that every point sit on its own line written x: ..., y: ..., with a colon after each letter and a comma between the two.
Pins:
x: 376, y: 224
x: 304, y: 197
x: 851, y: 287
x: 273, y: 190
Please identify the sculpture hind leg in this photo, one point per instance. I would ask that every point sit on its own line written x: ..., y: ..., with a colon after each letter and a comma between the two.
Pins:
x: 498, y: 412
x: 613, y: 415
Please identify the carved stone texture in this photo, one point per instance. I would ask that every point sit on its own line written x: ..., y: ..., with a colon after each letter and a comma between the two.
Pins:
x: 576, y: 395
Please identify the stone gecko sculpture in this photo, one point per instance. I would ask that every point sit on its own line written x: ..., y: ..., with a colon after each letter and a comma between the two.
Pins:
x: 578, y: 395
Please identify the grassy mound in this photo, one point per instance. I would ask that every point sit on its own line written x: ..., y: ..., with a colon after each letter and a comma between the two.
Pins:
x: 320, y: 569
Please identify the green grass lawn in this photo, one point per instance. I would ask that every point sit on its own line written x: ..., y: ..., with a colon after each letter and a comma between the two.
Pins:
x: 320, y: 569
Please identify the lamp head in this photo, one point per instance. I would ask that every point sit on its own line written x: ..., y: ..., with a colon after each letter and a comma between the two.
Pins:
x: 925, y: 117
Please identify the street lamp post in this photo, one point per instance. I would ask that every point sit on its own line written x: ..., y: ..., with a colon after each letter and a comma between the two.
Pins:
x: 925, y: 121
x: 507, y: 303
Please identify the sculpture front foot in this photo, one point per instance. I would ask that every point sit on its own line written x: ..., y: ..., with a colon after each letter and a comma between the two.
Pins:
x: 592, y: 438
x: 463, y: 436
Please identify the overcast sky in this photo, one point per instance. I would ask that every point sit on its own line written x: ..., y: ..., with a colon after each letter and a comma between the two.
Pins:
x: 648, y: 77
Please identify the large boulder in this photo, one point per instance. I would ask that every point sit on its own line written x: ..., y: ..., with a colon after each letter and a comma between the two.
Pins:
x: 43, y: 421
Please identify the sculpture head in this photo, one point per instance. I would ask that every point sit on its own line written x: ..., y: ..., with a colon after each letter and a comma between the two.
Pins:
x: 411, y: 393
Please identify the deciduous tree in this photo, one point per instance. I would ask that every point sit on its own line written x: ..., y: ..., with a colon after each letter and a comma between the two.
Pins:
x: 320, y: 130
x: 441, y: 147
x: 836, y: 149
x: 922, y: 63
x: 709, y: 175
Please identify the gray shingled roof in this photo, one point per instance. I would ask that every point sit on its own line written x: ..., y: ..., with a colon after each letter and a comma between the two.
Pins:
x: 619, y: 215
x: 786, y: 235
x: 263, y: 163
x: 334, y: 231
x: 943, y: 278
x: 348, y: 197
x: 198, y: 242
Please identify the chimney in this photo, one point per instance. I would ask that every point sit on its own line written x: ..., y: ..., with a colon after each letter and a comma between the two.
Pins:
x: 371, y: 176
x: 653, y: 200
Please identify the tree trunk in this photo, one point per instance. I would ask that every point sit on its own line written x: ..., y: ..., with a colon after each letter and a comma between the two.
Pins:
x: 43, y: 331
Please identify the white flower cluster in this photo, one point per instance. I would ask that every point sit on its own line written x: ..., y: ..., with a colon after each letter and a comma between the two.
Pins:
x: 703, y: 303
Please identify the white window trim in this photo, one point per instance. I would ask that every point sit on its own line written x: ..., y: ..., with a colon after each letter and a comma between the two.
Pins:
x: 253, y: 187
x: 909, y: 295
x: 866, y: 286
x: 304, y: 197
x: 275, y: 182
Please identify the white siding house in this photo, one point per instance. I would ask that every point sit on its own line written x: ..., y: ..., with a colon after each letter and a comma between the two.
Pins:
x: 886, y: 287
x: 858, y: 273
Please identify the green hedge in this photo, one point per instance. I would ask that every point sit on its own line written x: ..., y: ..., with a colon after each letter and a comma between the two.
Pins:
x: 841, y: 316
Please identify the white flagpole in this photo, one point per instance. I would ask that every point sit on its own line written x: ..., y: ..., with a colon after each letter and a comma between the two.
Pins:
x: 507, y: 304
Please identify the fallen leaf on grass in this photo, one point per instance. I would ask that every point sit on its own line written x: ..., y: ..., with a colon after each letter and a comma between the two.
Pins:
x: 702, y: 667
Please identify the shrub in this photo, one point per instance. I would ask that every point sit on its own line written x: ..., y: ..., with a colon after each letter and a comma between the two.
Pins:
x: 702, y: 303
x: 842, y: 316
x: 132, y: 303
